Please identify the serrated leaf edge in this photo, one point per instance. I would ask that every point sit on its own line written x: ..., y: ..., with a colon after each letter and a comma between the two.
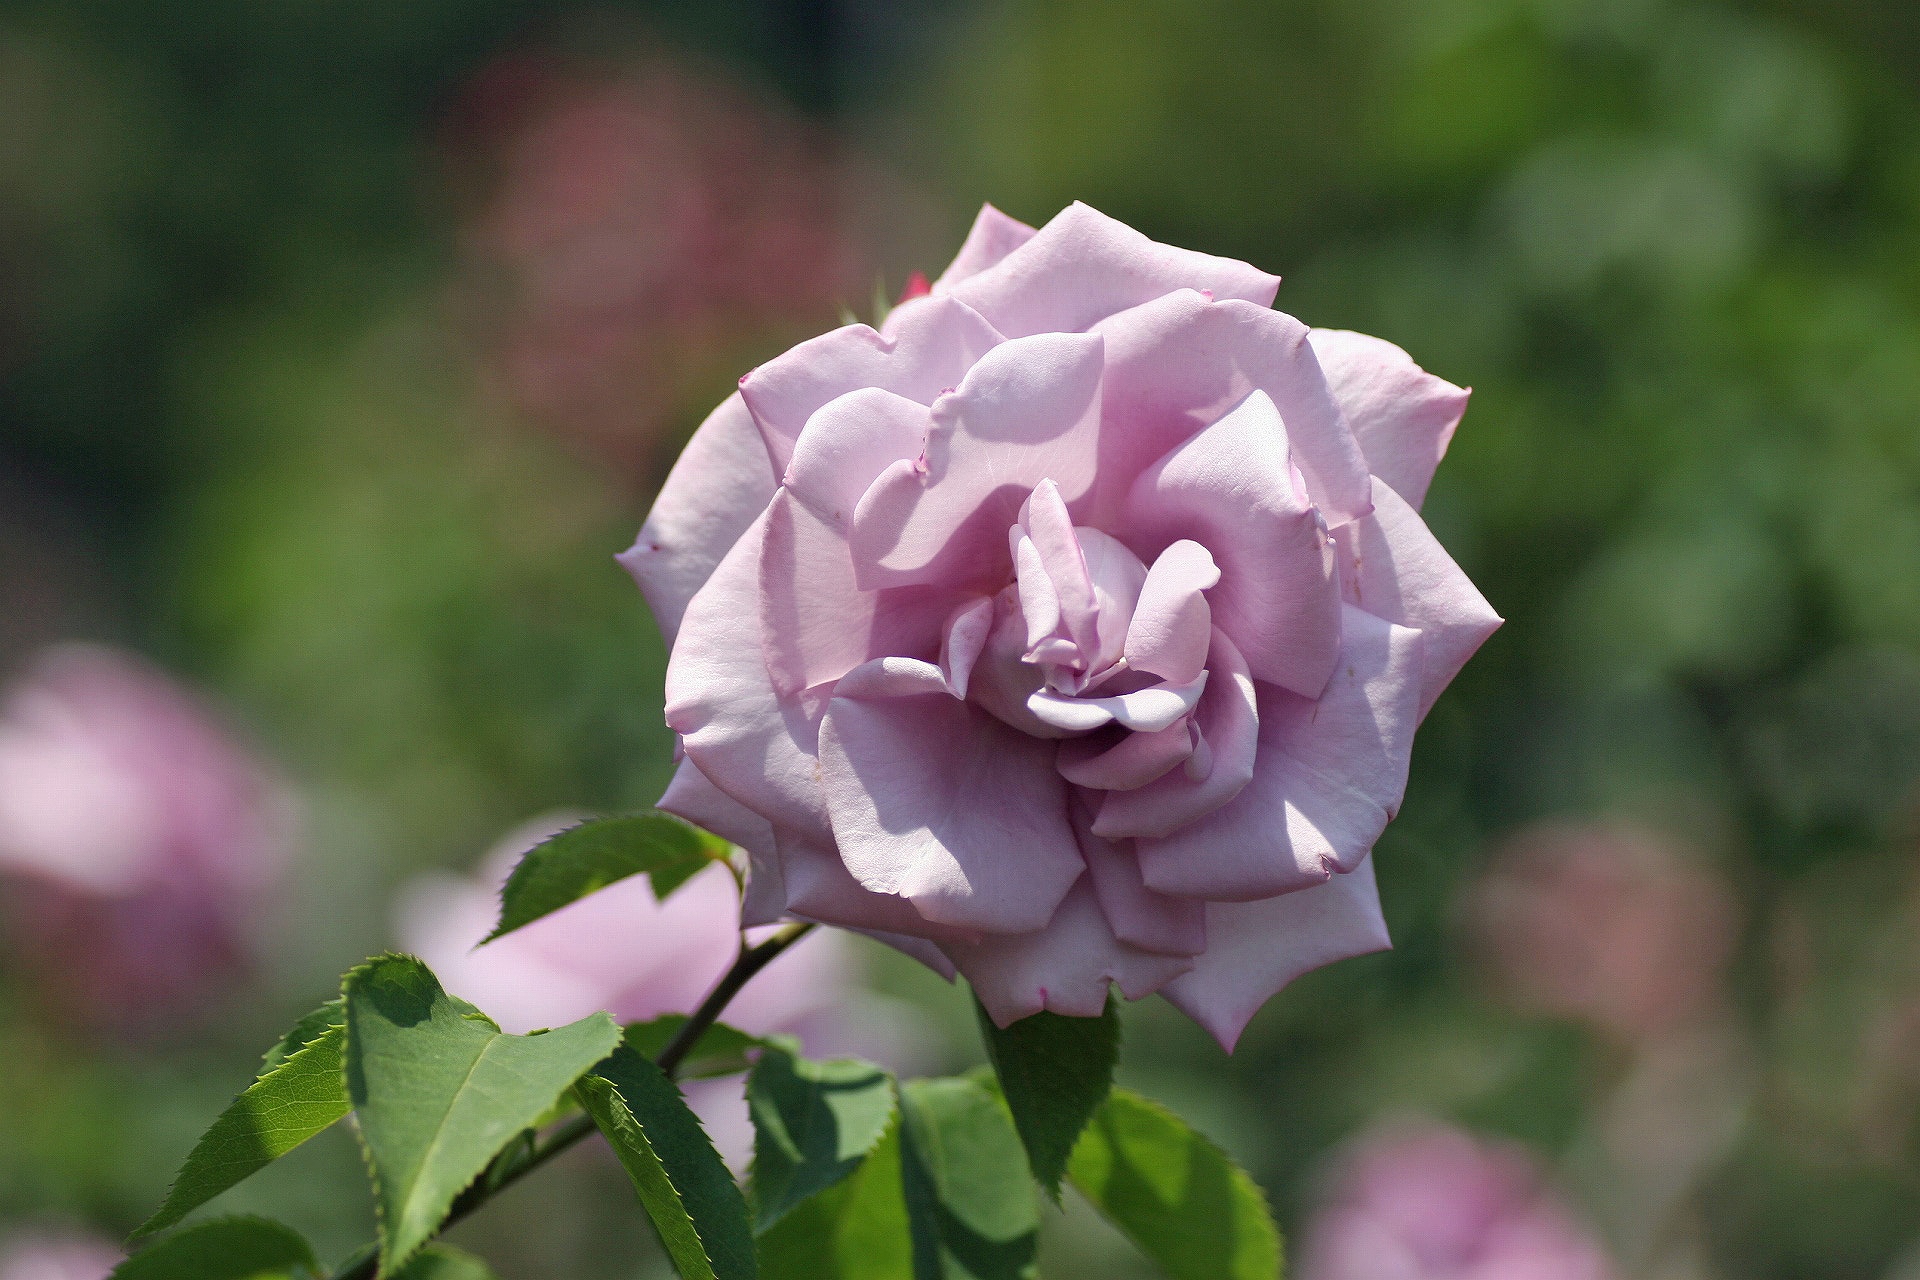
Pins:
x: 893, y: 1117
x: 501, y: 929
x: 626, y: 1114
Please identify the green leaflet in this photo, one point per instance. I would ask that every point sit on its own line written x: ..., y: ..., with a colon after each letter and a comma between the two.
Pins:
x: 1175, y: 1194
x: 438, y: 1091
x: 1054, y: 1072
x: 594, y: 854
x: 854, y: 1230
x: 439, y: 1262
x: 721, y: 1050
x: 304, y: 1032
x: 813, y: 1123
x: 294, y: 1099
x: 682, y: 1183
x: 970, y: 1205
x: 224, y: 1249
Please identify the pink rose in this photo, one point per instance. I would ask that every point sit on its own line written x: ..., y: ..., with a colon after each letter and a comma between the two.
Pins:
x: 136, y: 837
x: 1072, y: 629
x: 1437, y: 1204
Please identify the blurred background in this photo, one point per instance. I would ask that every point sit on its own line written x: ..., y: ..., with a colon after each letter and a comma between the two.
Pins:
x: 342, y: 344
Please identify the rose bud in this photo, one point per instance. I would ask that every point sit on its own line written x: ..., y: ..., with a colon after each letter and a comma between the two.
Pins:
x: 1072, y: 629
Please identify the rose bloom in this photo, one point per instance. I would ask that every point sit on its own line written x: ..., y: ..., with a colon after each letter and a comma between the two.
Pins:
x: 1608, y: 924
x: 136, y: 837
x: 57, y: 1257
x: 1071, y: 629
x: 1432, y: 1203
x: 623, y: 951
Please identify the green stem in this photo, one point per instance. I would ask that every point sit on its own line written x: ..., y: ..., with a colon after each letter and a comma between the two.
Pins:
x: 749, y: 962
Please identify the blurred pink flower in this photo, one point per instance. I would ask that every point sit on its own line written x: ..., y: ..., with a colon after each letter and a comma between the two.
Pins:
x: 1608, y: 924
x: 135, y: 837
x: 1433, y: 1203
x: 623, y: 951
x: 57, y: 1257
x: 630, y: 223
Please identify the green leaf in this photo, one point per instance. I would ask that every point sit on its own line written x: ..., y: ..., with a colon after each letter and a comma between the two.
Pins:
x: 595, y: 854
x: 856, y: 1230
x: 1054, y: 1072
x: 291, y: 1102
x: 683, y: 1184
x: 224, y: 1249
x: 970, y: 1205
x: 813, y: 1122
x: 439, y: 1091
x: 721, y: 1050
x: 439, y: 1262
x: 1175, y: 1194
x: 304, y: 1033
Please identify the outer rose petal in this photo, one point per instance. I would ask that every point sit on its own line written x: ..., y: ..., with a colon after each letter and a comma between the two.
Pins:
x: 692, y: 797
x: 816, y: 623
x: 905, y: 778
x: 819, y: 887
x: 1256, y: 948
x: 928, y: 352
x: 1179, y: 362
x: 1064, y: 967
x: 721, y: 482
x: 993, y: 236
x: 1329, y: 776
x: 1392, y: 566
x: 1028, y: 411
x: 1084, y: 266
x: 756, y: 747
x: 1230, y: 489
x: 1403, y: 415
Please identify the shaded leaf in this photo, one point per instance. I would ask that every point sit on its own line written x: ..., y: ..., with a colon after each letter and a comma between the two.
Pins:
x: 304, y: 1033
x: 440, y: 1091
x: 1175, y: 1194
x: 291, y: 1102
x: 682, y: 1182
x: 593, y: 855
x: 855, y: 1230
x: 1054, y: 1072
x: 813, y: 1122
x: 224, y: 1249
x: 721, y: 1050
x: 970, y: 1207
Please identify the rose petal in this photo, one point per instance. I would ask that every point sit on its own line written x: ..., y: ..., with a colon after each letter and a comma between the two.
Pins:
x: 1084, y: 266
x: 1256, y: 948
x: 1172, y: 625
x: 1065, y: 967
x: 754, y: 746
x: 992, y: 237
x: 1147, y: 710
x: 816, y: 621
x: 1392, y: 566
x: 1180, y: 362
x: 905, y: 779
x: 819, y: 887
x: 847, y: 443
x: 721, y: 482
x: 1028, y: 411
x: 1133, y: 760
x: 930, y: 350
x: 1231, y: 489
x: 691, y: 796
x: 1329, y: 775
x: 1228, y: 722
x: 1403, y: 416
x: 1138, y: 916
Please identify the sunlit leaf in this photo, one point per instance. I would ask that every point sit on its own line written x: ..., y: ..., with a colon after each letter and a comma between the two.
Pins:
x: 854, y: 1230
x: 595, y: 854
x: 438, y: 1091
x: 721, y: 1050
x: 1174, y: 1194
x: 970, y: 1203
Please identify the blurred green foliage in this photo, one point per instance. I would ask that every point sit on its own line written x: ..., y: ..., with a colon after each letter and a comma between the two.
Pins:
x: 1674, y: 246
